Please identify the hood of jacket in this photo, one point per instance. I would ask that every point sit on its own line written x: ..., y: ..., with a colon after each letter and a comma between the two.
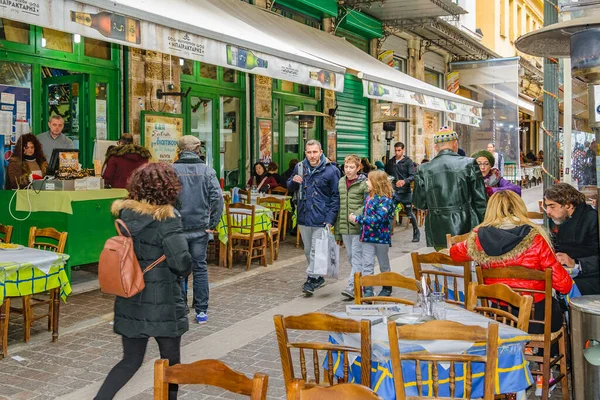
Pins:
x: 189, y: 157
x: 359, y: 178
x: 139, y: 214
x: 500, y: 245
x: 129, y: 150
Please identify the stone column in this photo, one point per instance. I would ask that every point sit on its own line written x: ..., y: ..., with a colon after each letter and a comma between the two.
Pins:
x: 416, y: 69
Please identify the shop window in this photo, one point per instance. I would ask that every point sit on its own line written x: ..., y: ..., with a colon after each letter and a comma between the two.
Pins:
x: 97, y: 49
x: 15, y: 74
x: 208, y: 71
x: 304, y: 89
x: 13, y: 31
x: 229, y: 75
x: 56, y: 40
x: 287, y: 86
x: 188, y: 67
x: 202, y: 124
x: 230, y: 140
x: 433, y: 78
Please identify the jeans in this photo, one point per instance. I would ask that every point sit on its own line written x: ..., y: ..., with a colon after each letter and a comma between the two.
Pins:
x: 354, y: 249
x: 198, y: 242
x: 372, y: 250
x: 134, y: 350
x: 310, y: 234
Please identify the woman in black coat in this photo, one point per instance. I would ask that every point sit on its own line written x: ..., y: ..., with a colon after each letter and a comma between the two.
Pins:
x: 158, y: 311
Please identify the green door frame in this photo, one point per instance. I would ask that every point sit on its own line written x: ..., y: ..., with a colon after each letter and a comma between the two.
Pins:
x: 301, y: 102
x: 214, y: 93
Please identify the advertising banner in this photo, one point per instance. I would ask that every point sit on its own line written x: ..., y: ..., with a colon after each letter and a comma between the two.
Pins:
x: 161, y: 135
x: 74, y: 17
x: 380, y: 91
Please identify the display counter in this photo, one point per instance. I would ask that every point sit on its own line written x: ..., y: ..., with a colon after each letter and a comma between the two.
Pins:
x: 85, y: 215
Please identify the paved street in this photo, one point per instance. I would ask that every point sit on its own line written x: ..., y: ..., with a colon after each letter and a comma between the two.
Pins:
x: 239, y: 332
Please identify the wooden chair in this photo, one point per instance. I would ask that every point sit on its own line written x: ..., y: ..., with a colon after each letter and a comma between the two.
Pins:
x: 541, y: 205
x: 535, y: 215
x: 324, y: 323
x: 226, y: 199
x: 383, y: 279
x: 444, y: 330
x: 242, y: 236
x: 277, y: 207
x: 279, y: 190
x: 244, y: 196
x: 343, y: 391
x: 4, y: 317
x: 6, y: 231
x: 548, y: 338
x: 438, y: 277
x: 298, y: 237
x: 500, y: 292
x: 48, y: 239
x: 451, y: 240
x: 207, y: 372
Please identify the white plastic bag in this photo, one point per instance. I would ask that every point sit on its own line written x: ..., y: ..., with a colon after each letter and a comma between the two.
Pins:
x: 327, y: 255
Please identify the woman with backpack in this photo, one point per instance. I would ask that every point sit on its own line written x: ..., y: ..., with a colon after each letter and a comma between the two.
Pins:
x: 158, y: 310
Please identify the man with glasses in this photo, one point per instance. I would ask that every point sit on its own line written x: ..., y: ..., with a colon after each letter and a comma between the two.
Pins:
x: 574, y: 225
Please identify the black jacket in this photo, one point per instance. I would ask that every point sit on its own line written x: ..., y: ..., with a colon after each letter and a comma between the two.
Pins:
x: 577, y: 237
x: 403, y: 170
x: 159, y: 309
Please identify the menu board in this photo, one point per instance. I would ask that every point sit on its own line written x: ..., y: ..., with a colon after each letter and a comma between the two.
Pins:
x: 161, y: 133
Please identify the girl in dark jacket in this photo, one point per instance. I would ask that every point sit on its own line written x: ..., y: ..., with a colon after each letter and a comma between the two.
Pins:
x: 158, y: 311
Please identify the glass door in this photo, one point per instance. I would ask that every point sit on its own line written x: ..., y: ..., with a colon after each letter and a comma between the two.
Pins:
x: 202, y: 119
x: 66, y: 96
x: 230, y: 148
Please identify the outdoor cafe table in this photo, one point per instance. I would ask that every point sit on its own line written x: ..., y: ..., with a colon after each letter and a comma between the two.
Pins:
x: 512, y: 374
x: 262, y: 223
x: 28, y: 271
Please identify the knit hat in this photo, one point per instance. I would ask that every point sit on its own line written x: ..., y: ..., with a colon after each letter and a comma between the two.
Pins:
x: 189, y: 143
x: 445, y: 135
x: 379, y: 165
x: 486, y: 154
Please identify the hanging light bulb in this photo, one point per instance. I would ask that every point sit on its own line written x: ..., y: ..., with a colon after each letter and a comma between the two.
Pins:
x: 77, y: 38
x: 43, y: 42
x: 181, y: 61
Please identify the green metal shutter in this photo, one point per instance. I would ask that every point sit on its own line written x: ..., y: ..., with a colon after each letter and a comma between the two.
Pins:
x: 352, y: 119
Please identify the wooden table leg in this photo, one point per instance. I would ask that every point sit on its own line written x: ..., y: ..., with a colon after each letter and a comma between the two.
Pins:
x: 222, y: 254
x: 4, y: 317
x: 56, y: 313
x: 511, y: 396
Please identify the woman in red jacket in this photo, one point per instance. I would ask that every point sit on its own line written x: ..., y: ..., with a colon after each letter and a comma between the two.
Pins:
x: 506, y: 237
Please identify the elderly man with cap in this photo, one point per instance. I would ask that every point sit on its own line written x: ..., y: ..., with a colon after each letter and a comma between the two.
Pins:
x: 201, y: 207
x: 451, y: 188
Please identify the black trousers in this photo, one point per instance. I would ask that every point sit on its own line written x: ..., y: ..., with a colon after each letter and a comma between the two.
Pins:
x: 134, y: 350
x: 406, y: 200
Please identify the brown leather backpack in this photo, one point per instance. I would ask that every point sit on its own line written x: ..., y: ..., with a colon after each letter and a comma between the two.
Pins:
x: 119, y: 271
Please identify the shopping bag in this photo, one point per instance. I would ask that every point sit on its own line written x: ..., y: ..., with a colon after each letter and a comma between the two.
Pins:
x: 327, y: 254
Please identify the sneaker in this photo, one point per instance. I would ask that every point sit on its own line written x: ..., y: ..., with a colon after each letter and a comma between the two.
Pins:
x: 348, y: 293
x: 538, y: 385
x: 201, y: 318
x: 318, y: 283
x: 368, y: 292
x: 386, y: 291
x: 308, y: 288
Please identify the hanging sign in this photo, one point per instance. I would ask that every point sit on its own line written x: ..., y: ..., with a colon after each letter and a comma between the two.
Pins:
x: 89, y: 21
x: 380, y: 91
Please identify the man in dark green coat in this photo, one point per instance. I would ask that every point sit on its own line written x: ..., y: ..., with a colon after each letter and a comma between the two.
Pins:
x: 451, y: 188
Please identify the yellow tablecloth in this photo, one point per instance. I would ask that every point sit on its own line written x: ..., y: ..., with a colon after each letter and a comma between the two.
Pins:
x: 20, y: 279
x: 60, y: 201
x: 262, y: 222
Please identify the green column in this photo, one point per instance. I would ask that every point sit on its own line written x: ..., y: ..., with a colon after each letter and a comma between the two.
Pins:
x: 551, y: 156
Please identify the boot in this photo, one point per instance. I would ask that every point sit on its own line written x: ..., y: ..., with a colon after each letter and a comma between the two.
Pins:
x: 416, y: 234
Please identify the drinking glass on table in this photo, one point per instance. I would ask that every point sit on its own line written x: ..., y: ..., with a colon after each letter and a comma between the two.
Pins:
x: 420, y: 306
x: 439, y: 305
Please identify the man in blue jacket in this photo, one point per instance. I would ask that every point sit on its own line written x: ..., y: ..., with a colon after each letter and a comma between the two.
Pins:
x: 315, y: 182
x: 201, y: 206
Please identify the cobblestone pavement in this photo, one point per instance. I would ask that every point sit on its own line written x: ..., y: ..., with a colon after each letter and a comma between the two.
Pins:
x: 239, y: 332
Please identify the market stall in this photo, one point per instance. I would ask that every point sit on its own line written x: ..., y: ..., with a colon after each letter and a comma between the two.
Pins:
x: 85, y: 215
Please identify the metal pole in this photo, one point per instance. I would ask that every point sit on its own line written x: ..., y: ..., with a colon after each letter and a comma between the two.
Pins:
x: 551, y: 159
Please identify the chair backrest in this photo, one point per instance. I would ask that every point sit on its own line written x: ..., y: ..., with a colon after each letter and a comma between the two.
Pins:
x: 478, y: 300
x: 47, y: 239
x: 383, y: 279
x: 450, y: 240
x: 541, y: 205
x: 240, y: 218
x: 444, y: 330
x: 279, y: 190
x: 526, y: 274
x: 277, y: 207
x: 438, y: 279
x: 6, y: 230
x: 325, y: 323
x: 535, y: 215
x: 226, y: 198
x: 207, y: 372
x: 244, y: 196
x: 343, y: 391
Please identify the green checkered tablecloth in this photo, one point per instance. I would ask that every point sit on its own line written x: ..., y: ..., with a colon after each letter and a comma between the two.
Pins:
x: 42, y: 271
x: 262, y: 222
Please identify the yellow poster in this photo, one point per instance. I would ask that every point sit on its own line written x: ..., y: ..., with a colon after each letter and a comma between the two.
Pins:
x: 161, y: 135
